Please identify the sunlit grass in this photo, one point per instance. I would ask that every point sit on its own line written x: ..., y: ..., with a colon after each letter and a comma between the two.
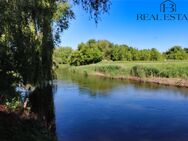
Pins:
x: 167, y: 69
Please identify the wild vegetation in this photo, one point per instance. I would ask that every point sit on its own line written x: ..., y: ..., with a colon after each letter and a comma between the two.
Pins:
x: 121, y: 61
x: 94, y: 51
x: 162, y: 72
x: 168, y: 69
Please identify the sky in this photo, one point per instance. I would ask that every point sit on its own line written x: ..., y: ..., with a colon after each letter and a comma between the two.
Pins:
x: 121, y: 26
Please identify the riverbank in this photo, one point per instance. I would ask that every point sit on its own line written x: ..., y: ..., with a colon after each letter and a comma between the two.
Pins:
x: 19, y: 125
x: 173, y: 73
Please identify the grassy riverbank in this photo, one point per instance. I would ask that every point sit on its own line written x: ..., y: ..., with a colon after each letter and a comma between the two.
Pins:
x: 166, y: 72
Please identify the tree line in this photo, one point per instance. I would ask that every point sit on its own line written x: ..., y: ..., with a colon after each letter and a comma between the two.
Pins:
x: 95, y: 51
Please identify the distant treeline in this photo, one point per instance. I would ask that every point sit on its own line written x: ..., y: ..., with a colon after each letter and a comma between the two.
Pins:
x: 95, y: 51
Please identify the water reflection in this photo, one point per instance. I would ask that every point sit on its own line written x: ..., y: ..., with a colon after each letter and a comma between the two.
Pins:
x: 101, y: 109
x: 79, y: 108
x: 100, y: 85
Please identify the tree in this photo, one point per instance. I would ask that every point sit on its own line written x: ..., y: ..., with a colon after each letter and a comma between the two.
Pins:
x: 62, y: 55
x: 144, y: 55
x: 105, y: 47
x: 186, y: 50
x: 125, y: 54
x: 116, y: 53
x: 94, y: 51
x: 88, y: 53
x: 176, y: 53
x: 29, y: 30
x: 155, y: 55
x: 135, y: 54
x: 76, y: 58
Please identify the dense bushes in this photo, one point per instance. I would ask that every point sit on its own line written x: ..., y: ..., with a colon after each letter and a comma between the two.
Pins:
x: 85, y: 56
x: 142, y: 71
x: 94, y: 51
x: 177, y: 53
x: 61, y: 55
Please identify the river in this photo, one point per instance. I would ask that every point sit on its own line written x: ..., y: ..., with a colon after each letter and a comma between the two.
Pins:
x: 100, y: 109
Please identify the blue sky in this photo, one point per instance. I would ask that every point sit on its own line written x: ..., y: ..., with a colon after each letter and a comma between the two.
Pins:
x: 120, y: 26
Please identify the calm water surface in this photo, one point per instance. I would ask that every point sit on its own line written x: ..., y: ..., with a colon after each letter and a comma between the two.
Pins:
x: 98, y: 109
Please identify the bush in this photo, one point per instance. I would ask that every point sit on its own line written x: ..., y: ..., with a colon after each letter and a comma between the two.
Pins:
x: 85, y: 56
x: 144, y: 71
x: 138, y: 71
x: 151, y: 72
x: 13, y: 104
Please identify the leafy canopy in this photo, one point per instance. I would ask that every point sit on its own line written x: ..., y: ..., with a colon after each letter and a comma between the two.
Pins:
x: 29, y: 29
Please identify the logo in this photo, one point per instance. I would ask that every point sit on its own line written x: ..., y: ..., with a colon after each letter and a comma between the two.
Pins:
x: 168, y: 12
x: 168, y: 6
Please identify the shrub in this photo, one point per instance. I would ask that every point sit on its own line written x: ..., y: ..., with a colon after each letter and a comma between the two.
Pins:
x: 13, y: 104
x: 144, y: 71
x: 138, y: 71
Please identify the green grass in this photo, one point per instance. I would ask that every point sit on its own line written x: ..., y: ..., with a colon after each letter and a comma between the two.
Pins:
x: 167, y: 69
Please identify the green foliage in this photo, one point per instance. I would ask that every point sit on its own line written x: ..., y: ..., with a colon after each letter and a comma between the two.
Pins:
x: 105, y: 47
x: 28, y: 31
x: 62, y: 55
x: 116, y: 53
x: 144, y: 55
x: 95, y: 51
x: 176, y: 53
x: 168, y: 71
x: 85, y: 73
x: 76, y: 58
x: 13, y: 104
x: 27, y: 39
x: 186, y: 50
x: 88, y: 53
x: 107, y: 69
x: 142, y: 69
x: 155, y: 55
x: 138, y: 71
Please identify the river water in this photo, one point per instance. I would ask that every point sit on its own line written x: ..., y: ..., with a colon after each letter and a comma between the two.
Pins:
x: 99, y: 109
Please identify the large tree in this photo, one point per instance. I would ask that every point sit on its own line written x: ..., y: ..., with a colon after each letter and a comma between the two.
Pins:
x: 29, y: 30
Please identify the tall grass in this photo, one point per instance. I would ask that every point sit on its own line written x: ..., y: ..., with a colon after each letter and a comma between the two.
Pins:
x: 170, y: 69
